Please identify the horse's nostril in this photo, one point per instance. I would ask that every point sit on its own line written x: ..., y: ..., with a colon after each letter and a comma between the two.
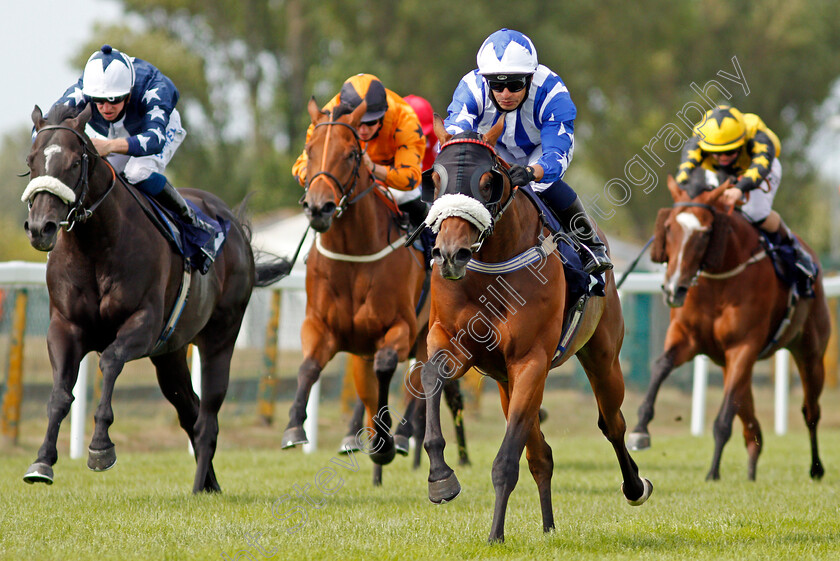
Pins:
x: 463, y: 255
x: 328, y: 208
x: 436, y: 253
x: 50, y: 228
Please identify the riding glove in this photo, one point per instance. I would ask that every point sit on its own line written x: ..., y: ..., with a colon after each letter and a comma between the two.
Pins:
x: 521, y: 175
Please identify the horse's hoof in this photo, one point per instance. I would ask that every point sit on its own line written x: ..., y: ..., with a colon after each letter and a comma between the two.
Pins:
x: 401, y: 444
x: 817, y: 472
x: 101, y: 460
x: 293, y: 436
x: 648, y: 489
x: 385, y: 457
x: 444, y: 490
x: 638, y: 441
x: 348, y: 444
x: 39, y: 472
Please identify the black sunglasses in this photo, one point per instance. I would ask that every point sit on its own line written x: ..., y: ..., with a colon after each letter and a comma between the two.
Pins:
x: 370, y: 123
x: 111, y: 100
x: 512, y: 86
x: 729, y: 152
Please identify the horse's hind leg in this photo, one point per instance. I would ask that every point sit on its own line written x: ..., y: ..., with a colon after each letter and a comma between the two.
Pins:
x: 215, y: 375
x: 752, y: 433
x: 599, y: 359
x: 175, y: 383
x: 812, y: 373
x: 678, y: 352
x: 737, y: 379
x: 455, y: 401
x: 349, y: 443
x: 65, y: 356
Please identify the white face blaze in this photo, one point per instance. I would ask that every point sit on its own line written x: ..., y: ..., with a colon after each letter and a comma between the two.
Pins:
x: 691, y: 225
x: 49, y: 152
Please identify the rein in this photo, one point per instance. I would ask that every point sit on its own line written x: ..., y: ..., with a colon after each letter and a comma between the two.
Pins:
x: 78, y: 213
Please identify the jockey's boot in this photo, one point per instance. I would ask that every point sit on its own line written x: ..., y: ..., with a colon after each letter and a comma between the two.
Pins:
x: 804, y: 262
x: 172, y: 199
x: 416, y: 210
x: 592, y: 251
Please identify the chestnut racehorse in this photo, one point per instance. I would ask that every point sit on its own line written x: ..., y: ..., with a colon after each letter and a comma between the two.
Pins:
x: 362, y: 285
x: 478, y: 218
x: 115, y: 287
x: 728, y: 303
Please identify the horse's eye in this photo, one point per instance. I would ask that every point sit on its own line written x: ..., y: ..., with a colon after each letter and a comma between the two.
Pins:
x: 77, y: 163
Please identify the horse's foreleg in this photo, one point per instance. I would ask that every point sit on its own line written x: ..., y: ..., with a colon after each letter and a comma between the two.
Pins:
x: 521, y: 408
x: 308, y: 374
x: 812, y: 373
x: 737, y: 378
x: 443, y: 484
x: 65, y: 356
x: 133, y: 340
x: 384, y: 364
x: 674, y: 356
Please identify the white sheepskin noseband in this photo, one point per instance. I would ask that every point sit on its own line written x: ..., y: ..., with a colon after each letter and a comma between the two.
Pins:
x: 459, y: 206
x: 51, y: 185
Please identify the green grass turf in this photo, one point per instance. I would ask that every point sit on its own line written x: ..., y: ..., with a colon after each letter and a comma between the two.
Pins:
x: 143, y: 508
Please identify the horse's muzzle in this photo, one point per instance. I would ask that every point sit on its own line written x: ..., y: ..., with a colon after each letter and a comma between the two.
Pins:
x: 452, y: 264
x: 320, y: 216
x: 675, y: 296
x: 42, y: 234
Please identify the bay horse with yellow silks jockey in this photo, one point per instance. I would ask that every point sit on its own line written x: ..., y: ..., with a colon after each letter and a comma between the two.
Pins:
x: 508, y: 325
x: 363, y: 287
x: 117, y: 288
x: 728, y: 303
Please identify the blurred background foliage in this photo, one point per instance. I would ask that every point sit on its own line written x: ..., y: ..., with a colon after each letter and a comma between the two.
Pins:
x: 246, y: 68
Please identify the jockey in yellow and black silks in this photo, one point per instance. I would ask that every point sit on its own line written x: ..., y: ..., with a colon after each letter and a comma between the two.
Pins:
x: 743, y: 146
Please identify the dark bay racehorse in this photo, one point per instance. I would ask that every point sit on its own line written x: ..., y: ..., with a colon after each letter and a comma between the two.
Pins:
x: 362, y: 285
x: 727, y: 303
x: 514, y: 342
x: 113, y: 282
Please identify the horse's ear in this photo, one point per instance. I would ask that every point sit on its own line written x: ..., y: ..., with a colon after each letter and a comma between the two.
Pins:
x: 315, y: 112
x: 358, y: 113
x: 38, y: 118
x: 440, y: 130
x: 495, y: 132
x: 82, y: 118
x: 676, y: 192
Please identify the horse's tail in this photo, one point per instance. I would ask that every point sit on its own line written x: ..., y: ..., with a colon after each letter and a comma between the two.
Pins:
x: 269, y: 272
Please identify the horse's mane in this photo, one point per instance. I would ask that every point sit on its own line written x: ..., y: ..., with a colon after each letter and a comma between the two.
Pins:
x: 59, y: 113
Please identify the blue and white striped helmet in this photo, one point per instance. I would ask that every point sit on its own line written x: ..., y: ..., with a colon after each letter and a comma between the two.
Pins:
x: 109, y: 74
x: 507, y: 52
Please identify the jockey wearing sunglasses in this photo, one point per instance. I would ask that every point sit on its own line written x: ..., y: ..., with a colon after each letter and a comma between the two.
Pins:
x: 135, y: 125
x: 538, y: 140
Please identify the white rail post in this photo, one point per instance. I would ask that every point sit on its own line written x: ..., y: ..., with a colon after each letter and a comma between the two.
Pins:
x: 78, y: 411
x: 698, y: 394
x: 195, y: 375
x: 782, y: 389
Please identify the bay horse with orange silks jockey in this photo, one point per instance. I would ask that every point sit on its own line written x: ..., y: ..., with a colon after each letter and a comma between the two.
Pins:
x: 363, y: 287
x: 117, y: 288
x: 480, y: 223
x: 729, y: 304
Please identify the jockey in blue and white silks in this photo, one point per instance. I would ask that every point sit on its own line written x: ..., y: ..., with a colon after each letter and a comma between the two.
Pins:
x: 134, y: 124
x: 538, y: 139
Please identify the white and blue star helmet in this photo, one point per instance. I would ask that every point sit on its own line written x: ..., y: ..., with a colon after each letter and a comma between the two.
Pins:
x: 507, y: 52
x: 109, y: 74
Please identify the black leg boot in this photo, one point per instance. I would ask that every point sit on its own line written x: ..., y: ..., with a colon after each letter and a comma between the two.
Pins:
x: 172, y: 199
x: 593, y: 252
x: 804, y: 262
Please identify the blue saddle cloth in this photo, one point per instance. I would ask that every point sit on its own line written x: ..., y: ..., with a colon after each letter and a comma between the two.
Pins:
x: 198, y: 247
x: 783, y: 257
x: 579, y: 282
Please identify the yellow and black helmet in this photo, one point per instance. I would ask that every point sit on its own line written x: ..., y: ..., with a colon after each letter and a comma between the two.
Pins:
x: 722, y: 129
x: 367, y: 87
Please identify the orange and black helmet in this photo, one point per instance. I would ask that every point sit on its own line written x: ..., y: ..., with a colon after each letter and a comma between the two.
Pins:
x: 367, y: 87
